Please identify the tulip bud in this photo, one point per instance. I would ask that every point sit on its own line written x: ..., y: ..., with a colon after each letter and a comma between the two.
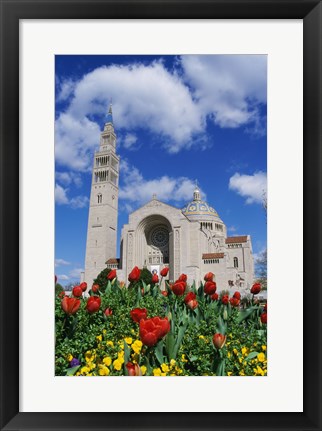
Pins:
x: 225, y: 314
x: 219, y: 340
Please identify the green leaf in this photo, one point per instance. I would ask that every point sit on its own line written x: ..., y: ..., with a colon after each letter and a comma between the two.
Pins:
x: 245, y: 314
x: 169, y: 345
x: 220, y: 371
x: 221, y: 326
x: 159, y: 352
x: 127, y: 353
x: 73, y: 370
x: 181, y: 332
x: 252, y: 355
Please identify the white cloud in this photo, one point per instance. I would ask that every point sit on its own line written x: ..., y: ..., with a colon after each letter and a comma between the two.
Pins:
x: 227, y: 88
x: 76, y: 202
x: 60, y: 195
x: 252, y: 187
x: 129, y: 141
x: 137, y: 189
x: 232, y: 229
x: 65, y: 89
x: 76, y: 273
x: 61, y: 262
x: 174, y: 105
x: 67, y: 178
x: 63, y: 277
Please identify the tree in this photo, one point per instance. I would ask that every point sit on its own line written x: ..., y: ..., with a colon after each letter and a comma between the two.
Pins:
x: 261, y: 268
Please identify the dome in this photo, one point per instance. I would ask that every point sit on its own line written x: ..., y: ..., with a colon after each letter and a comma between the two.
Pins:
x: 199, y: 210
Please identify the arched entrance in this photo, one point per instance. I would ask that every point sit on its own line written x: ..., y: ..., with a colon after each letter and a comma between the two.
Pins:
x: 153, y: 242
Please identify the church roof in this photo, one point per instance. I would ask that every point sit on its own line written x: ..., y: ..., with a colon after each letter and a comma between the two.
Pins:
x: 112, y: 261
x: 213, y: 255
x: 236, y: 239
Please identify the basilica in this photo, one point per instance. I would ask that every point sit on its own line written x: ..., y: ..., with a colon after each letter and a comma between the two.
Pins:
x: 191, y: 240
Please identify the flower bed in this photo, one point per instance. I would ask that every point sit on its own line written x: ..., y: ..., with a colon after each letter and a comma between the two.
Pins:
x: 145, y: 331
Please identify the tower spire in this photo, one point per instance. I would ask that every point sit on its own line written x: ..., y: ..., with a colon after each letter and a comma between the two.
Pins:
x: 109, y: 116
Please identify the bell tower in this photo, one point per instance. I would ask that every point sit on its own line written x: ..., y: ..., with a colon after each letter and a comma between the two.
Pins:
x: 103, y: 207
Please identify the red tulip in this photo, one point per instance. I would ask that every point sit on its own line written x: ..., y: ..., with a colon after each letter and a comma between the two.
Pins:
x: 108, y: 312
x: 152, y: 330
x: 93, y: 304
x: 77, y: 291
x: 234, y: 302
x: 134, y: 275
x: 164, y: 325
x: 264, y: 318
x: 219, y: 340
x: 164, y: 293
x: 236, y: 295
x: 133, y: 369
x: 164, y: 271
x: 182, y: 277
x: 61, y: 294
x: 256, y: 288
x: 209, y: 276
x: 214, y: 297
x: 155, y: 278
x: 138, y: 313
x: 83, y: 286
x: 190, y: 300
x: 111, y: 275
x: 178, y: 288
x: 225, y: 299
x: 95, y: 288
x: 210, y: 287
x: 70, y: 305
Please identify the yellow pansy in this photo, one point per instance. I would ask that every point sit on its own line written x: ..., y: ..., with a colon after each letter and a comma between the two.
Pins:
x: 107, y: 361
x: 99, y: 338
x: 89, y: 356
x: 229, y: 373
x: 172, y: 363
x: 117, y: 364
x: 228, y: 355
x: 241, y: 373
x: 103, y: 370
x: 165, y: 368
x: 128, y: 340
x: 104, y: 331
x: 183, y: 358
x: 235, y: 351
x: 137, y: 346
x: 244, y: 350
x: 201, y: 337
x: 264, y: 348
x: 69, y: 357
x: 85, y: 370
x: 261, y: 357
x: 143, y: 370
x: 157, y: 372
x: 110, y: 343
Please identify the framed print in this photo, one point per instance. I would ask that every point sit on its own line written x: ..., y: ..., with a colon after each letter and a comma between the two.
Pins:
x: 213, y: 83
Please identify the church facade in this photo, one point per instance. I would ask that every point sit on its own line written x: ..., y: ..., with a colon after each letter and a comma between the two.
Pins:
x: 191, y: 240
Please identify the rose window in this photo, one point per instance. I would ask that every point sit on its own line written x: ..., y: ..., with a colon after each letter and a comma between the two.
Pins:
x: 160, y: 237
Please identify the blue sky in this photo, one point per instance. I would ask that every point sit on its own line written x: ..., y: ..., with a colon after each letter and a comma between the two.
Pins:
x: 178, y: 119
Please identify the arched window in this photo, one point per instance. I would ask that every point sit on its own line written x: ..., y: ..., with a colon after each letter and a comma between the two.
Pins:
x: 235, y: 262
x: 99, y: 198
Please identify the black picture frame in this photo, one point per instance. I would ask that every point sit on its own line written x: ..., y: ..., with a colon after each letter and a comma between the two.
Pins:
x: 11, y: 12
